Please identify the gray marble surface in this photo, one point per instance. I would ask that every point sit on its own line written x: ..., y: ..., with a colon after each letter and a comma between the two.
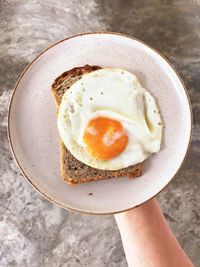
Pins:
x: 33, y: 231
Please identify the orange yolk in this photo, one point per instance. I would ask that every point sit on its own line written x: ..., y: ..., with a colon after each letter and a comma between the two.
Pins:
x: 105, y: 138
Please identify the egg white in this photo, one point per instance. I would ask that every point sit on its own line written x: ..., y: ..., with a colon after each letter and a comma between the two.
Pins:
x: 115, y: 94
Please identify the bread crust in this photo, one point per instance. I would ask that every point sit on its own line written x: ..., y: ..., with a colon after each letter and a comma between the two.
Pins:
x: 73, y: 171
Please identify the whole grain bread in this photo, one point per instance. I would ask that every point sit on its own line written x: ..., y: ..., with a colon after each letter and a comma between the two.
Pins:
x: 74, y: 171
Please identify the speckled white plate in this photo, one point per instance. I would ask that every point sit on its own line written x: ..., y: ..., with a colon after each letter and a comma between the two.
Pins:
x: 33, y: 132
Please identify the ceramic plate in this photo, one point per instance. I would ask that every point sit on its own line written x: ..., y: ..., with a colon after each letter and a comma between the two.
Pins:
x: 33, y: 131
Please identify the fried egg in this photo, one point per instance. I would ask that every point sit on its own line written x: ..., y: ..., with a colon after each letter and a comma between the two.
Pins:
x: 108, y: 121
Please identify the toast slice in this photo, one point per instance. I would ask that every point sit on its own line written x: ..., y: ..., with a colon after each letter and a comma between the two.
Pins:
x: 74, y: 171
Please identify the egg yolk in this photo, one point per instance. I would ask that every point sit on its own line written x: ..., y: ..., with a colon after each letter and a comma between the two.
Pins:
x: 104, y: 138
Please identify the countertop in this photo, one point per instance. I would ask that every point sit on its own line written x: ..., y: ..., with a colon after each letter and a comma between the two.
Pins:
x: 35, y: 232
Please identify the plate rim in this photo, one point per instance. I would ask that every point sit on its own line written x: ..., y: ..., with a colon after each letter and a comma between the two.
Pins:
x: 15, y: 89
